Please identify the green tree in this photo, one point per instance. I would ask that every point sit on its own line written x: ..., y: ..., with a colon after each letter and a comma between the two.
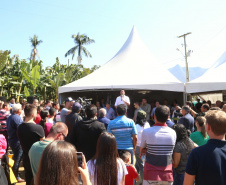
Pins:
x: 32, y: 76
x: 80, y: 40
x: 34, y: 43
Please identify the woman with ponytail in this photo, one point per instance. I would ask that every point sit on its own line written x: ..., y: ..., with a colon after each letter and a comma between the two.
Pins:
x: 45, y: 125
x: 200, y: 137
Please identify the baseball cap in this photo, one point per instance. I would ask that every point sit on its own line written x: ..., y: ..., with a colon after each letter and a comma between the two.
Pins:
x: 76, y: 106
x: 141, y: 114
x: 69, y: 99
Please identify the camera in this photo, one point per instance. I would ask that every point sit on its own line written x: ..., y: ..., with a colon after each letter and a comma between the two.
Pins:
x: 84, y: 102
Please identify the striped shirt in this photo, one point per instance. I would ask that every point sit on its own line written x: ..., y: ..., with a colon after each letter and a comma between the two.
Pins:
x: 123, y: 129
x: 3, y: 117
x: 160, y: 141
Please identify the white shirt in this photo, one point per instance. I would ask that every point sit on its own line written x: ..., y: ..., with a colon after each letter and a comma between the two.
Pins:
x: 50, y: 120
x: 121, y: 170
x: 119, y: 100
x: 140, y: 129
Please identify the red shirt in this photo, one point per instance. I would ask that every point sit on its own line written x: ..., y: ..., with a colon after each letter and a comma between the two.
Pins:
x: 132, y: 174
x: 38, y: 119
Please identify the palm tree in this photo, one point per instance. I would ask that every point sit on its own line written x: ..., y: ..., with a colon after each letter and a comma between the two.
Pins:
x: 34, y: 43
x: 80, y: 40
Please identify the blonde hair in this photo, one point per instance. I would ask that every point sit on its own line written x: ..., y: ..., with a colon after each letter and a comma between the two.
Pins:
x: 217, y: 121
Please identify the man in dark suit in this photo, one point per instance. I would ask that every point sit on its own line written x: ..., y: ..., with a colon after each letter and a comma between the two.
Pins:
x: 187, y: 120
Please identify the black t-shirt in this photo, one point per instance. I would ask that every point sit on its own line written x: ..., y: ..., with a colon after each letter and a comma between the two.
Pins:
x: 28, y: 134
x: 208, y: 163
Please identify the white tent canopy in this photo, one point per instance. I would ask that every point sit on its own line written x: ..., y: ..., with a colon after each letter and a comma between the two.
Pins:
x: 213, y: 80
x: 133, y: 67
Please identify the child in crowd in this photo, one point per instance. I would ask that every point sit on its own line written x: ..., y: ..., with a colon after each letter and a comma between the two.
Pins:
x: 132, y: 173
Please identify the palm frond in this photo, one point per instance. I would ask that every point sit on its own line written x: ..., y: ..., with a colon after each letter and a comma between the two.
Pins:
x: 86, y: 52
x: 70, y: 51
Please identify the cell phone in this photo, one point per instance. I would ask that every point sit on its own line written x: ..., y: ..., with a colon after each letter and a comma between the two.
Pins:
x: 79, y: 158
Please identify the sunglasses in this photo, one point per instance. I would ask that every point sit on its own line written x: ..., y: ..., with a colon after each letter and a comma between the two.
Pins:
x: 62, y: 134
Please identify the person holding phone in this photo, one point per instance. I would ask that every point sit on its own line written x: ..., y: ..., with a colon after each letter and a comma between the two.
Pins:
x: 59, y: 166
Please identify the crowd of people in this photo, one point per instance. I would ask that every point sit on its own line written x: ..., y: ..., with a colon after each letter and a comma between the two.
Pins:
x: 161, y: 144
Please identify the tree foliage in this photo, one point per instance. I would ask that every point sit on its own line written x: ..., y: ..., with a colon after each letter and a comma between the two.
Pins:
x: 80, y: 40
x: 23, y: 78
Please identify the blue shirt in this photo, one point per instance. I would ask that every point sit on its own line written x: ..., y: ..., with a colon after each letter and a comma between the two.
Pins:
x: 208, y: 163
x: 104, y: 120
x: 153, y: 112
x: 169, y: 123
x: 110, y: 113
x: 13, y: 122
x: 123, y: 129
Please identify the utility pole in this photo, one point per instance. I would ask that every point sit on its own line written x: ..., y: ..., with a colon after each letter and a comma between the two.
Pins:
x: 186, y: 57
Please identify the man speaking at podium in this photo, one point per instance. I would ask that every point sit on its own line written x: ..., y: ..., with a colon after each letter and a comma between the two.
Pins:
x: 122, y: 99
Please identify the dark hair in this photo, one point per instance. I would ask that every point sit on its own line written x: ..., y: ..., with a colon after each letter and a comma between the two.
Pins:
x: 209, y: 102
x: 29, y: 110
x: 162, y: 113
x: 58, y: 165
x: 39, y: 108
x: 206, y: 106
x: 188, y: 103
x: 44, y: 115
x: 52, y: 111
x: 182, y: 135
x: 48, y: 101
x: 217, y: 121
x: 62, y: 106
x: 215, y: 108
x: 91, y: 111
x: 186, y: 108
x: 136, y: 102
x: 5, y: 105
x: 201, y: 121
x: 54, y: 104
x: 121, y: 109
x: 140, y: 121
x: 124, y: 155
x: 106, y: 153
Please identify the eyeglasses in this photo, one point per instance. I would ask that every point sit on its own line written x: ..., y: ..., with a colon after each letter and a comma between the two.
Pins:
x: 62, y: 134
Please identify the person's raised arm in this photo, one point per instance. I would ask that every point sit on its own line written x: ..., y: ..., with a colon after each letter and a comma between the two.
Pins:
x: 189, y: 179
x: 193, y: 112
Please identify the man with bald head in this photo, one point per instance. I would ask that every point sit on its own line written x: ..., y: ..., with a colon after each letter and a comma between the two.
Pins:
x: 58, y: 132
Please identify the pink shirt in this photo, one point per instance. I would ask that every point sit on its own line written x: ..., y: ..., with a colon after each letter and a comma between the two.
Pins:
x: 47, y: 128
x: 3, y: 145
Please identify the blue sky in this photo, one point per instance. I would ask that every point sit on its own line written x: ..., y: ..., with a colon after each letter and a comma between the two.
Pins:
x: 109, y: 23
